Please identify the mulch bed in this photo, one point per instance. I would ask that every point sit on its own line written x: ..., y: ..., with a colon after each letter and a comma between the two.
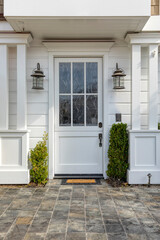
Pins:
x: 116, y: 183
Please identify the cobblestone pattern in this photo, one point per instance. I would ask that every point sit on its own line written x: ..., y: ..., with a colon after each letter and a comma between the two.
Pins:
x: 97, y: 212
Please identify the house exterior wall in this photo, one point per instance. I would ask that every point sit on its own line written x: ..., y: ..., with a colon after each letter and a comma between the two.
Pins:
x: 37, y: 101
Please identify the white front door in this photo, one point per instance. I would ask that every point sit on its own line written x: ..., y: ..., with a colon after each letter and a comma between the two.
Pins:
x: 78, y: 114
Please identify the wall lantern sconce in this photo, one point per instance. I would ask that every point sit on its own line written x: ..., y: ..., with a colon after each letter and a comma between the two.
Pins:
x: 38, y: 78
x: 118, y: 78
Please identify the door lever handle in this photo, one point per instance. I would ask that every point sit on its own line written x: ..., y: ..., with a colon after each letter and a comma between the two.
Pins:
x: 100, y: 139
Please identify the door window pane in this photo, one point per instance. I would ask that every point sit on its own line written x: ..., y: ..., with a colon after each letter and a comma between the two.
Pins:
x: 65, y: 77
x: 64, y: 110
x: 91, y: 77
x: 78, y: 77
x: 78, y: 110
x: 91, y: 110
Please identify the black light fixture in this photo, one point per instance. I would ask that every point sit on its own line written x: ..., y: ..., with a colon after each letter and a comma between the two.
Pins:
x: 38, y: 78
x: 118, y: 78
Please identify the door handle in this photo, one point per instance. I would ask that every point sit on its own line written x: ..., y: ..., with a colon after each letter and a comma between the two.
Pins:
x: 100, y: 139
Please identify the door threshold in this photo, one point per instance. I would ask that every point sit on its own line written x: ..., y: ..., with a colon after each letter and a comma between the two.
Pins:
x: 84, y: 176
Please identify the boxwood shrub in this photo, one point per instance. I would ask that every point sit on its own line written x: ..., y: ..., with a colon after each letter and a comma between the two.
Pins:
x: 118, y: 152
x: 39, y: 162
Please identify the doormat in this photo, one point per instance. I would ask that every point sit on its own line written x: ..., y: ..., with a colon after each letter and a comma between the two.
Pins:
x: 81, y: 182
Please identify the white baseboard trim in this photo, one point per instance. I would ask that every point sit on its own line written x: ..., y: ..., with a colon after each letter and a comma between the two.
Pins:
x: 14, y: 176
x: 140, y: 176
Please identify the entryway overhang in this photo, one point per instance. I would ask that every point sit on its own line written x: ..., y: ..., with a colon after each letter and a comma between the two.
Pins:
x: 77, y: 27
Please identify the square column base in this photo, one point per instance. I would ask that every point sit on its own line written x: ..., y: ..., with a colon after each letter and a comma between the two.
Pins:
x: 140, y: 177
x: 16, y: 176
x: 144, y: 156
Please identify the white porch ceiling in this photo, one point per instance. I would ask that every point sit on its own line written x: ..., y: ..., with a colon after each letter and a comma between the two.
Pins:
x: 78, y: 28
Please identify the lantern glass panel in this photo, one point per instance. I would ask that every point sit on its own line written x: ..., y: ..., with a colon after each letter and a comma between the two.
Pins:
x: 118, y: 82
x: 37, y: 83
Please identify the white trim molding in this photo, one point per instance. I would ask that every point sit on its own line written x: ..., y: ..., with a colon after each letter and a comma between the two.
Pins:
x: 144, y: 157
x: 78, y: 46
x: 77, y: 49
x: 144, y: 38
x: 13, y: 38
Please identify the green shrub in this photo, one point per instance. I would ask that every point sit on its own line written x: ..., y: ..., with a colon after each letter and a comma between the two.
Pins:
x: 158, y: 126
x: 118, y: 152
x: 39, y: 161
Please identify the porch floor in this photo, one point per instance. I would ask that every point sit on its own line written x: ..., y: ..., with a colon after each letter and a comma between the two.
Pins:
x: 97, y: 212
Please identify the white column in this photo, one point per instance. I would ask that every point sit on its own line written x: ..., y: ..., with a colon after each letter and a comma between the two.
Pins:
x: 153, y: 87
x: 21, y: 88
x: 4, y: 92
x: 136, y: 78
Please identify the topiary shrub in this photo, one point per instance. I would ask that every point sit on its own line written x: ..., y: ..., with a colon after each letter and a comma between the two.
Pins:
x: 118, y: 152
x: 39, y: 161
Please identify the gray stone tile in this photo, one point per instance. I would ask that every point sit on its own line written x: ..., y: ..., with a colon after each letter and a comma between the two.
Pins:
x: 76, y: 236
x: 117, y: 236
x: 96, y: 236
x: 34, y: 236
x: 134, y: 228
x: 55, y: 236
x: 76, y: 226
x: 57, y: 227
x: 137, y: 237
x: 114, y: 228
x: 95, y: 228
x: 17, y: 233
x: 6, y: 223
x: 39, y: 225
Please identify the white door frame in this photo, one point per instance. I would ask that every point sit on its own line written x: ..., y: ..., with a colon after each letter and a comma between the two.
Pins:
x: 78, y: 49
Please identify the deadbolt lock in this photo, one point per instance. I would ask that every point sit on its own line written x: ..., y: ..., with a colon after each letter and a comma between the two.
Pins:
x: 100, y: 124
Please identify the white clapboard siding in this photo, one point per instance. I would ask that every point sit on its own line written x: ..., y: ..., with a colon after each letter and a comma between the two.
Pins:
x: 13, y: 86
x: 37, y: 108
x: 37, y: 120
x: 37, y: 132
x: 33, y: 142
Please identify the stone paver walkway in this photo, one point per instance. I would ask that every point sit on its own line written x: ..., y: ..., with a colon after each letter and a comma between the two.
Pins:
x: 97, y: 212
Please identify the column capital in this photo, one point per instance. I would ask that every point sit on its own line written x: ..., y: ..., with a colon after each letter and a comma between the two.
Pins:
x: 13, y: 39
x: 144, y: 38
